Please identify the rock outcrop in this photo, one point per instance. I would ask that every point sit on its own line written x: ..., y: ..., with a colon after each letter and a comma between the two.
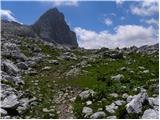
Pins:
x: 52, y: 27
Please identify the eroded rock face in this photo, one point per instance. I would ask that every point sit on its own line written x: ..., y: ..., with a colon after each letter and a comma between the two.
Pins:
x: 52, y: 27
x: 9, y: 67
x: 135, y: 106
x: 150, y: 114
x: 10, y: 102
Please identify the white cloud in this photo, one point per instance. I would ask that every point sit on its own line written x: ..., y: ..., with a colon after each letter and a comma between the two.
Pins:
x: 7, y: 14
x: 65, y: 3
x: 119, y: 2
x: 145, y: 8
x: 108, y: 21
x: 124, y: 36
x: 152, y: 21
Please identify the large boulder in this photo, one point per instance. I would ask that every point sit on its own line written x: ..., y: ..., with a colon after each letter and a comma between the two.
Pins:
x: 150, y: 114
x: 135, y: 106
x: 10, y: 102
x: 9, y: 67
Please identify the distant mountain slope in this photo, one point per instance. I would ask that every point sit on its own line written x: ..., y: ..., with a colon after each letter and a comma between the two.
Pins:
x: 50, y: 27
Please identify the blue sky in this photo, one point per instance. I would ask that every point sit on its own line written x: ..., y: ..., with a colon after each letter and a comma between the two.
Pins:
x: 97, y: 24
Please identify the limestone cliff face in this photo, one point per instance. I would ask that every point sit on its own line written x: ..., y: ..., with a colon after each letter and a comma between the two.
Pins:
x: 51, y: 26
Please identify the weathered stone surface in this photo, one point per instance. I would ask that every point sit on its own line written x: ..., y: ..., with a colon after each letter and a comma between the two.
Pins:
x: 17, y: 80
x: 98, y: 115
x: 117, y: 77
x: 150, y: 114
x: 111, y: 117
x: 115, y: 95
x: 68, y: 56
x: 154, y: 101
x: 87, y: 111
x: 9, y: 67
x: 125, y: 95
x: 73, y: 72
x: 3, y: 112
x: 55, y: 62
x: 119, y: 102
x: 86, y: 94
x: 22, y: 66
x: 10, y: 101
x: 88, y: 102
x: 135, y: 106
x: 111, y: 108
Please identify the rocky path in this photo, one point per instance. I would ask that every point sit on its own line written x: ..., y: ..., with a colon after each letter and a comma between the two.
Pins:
x: 64, y: 100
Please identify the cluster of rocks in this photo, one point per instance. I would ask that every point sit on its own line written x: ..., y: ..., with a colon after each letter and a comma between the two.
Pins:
x: 13, y: 101
x: 14, y: 65
x: 133, y: 105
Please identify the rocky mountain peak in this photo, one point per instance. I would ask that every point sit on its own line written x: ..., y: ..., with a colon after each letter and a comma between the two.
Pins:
x: 51, y: 26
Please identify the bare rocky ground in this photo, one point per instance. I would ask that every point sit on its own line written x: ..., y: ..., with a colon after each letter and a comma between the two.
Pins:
x: 43, y: 83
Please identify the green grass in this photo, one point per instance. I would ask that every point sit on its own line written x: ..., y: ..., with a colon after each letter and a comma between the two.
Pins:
x: 99, y: 74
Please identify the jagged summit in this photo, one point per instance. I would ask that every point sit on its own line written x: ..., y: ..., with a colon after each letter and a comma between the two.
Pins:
x: 51, y: 26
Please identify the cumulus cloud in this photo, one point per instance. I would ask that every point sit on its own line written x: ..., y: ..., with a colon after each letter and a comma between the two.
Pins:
x: 108, y: 21
x: 124, y: 36
x: 8, y: 15
x: 145, y: 8
x: 65, y: 3
x: 119, y: 2
x: 152, y: 21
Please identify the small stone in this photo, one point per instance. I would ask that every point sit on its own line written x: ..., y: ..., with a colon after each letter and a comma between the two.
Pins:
x: 88, y: 102
x: 46, y: 68
x: 117, y: 77
x: 45, y: 110
x: 98, y: 115
x: 86, y: 94
x: 111, y: 108
x: 55, y: 62
x: 125, y: 95
x: 146, y: 71
x: 119, y: 102
x: 87, y: 111
x: 100, y: 109
x: 115, y: 95
x: 111, y: 117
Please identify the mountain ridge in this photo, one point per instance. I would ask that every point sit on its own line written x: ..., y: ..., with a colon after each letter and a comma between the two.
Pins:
x: 51, y: 27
